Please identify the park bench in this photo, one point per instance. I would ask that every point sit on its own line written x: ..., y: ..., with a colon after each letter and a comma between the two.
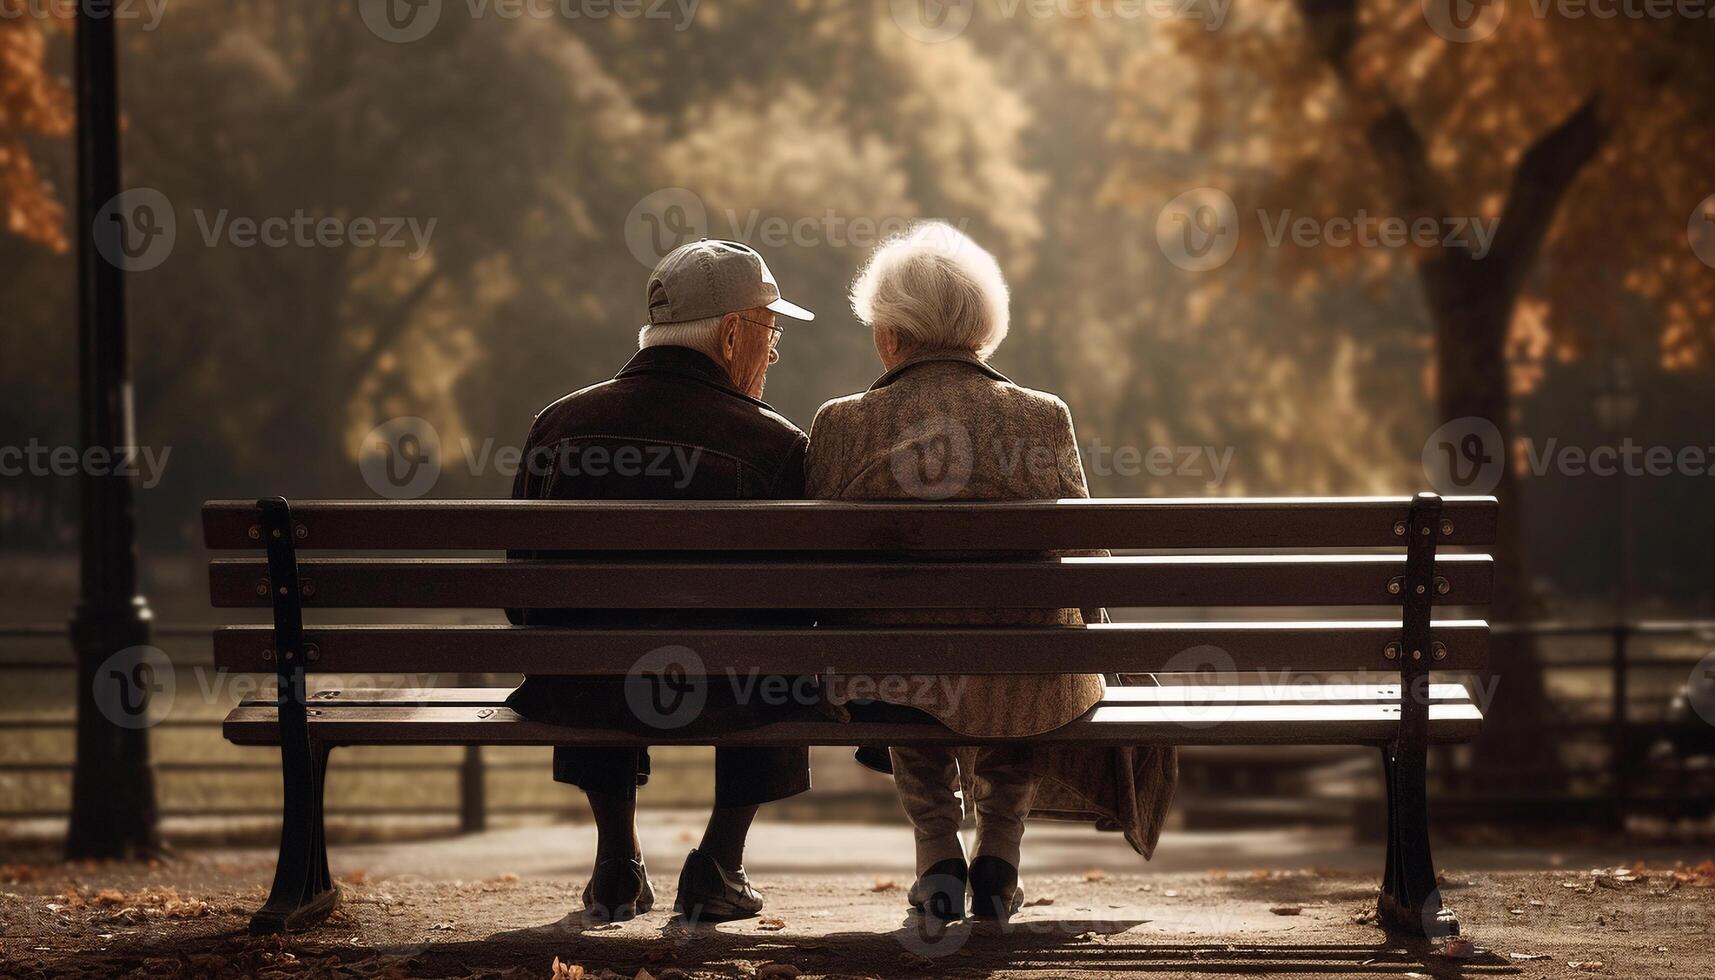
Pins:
x: 1190, y: 555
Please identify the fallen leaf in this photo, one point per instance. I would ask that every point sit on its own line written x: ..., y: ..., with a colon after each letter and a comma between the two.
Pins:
x: 769, y: 923
x: 1458, y: 949
x: 1528, y: 957
x: 1286, y: 910
x: 1039, y: 900
x: 1095, y: 874
x: 566, y: 971
x: 883, y: 885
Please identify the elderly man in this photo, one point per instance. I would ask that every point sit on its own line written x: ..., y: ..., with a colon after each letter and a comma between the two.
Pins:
x: 693, y: 389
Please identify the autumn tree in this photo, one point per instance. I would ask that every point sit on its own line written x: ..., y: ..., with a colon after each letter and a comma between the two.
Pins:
x: 1585, y: 139
x: 34, y: 104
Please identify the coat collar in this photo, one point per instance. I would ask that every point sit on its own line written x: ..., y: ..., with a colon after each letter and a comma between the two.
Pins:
x: 957, y: 357
x: 683, y: 362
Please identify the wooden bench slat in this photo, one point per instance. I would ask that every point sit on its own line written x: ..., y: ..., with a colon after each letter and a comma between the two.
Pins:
x: 1259, y: 724
x: 1114, y: 523
x: 1111, y: 647
x: 1171, y: 580
x: 1169, y: 693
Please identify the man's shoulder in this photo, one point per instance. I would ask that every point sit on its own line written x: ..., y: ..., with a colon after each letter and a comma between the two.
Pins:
x: 571, y: 398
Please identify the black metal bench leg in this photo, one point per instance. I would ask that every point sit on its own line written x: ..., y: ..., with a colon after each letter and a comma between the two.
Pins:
x: 1410, y: 899
x: 304, y: 892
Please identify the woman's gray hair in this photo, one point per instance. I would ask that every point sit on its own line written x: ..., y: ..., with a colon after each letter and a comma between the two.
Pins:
x: 699, y: 335
x: 937, y: 289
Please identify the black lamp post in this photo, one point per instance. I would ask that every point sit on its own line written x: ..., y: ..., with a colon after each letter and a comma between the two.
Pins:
x: 113, y: 789
x: 1616, y: 406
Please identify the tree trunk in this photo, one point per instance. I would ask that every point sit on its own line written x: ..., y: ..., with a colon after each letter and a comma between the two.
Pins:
x: 1471, y: 311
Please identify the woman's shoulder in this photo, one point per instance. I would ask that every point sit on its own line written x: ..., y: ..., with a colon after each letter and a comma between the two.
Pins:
x: 834, y: 411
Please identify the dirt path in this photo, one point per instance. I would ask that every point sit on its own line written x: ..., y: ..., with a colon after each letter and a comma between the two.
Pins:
x: 491, y: 905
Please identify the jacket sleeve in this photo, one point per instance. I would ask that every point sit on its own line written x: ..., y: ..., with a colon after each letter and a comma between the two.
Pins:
x: 789, y: 482
x: 1072, y: 484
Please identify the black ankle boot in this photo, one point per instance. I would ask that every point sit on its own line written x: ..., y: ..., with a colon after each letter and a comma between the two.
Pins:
x: 940, y: 892
x: 994, y: 888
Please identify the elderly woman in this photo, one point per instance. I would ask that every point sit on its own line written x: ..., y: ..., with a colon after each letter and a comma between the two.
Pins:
x: 940, y: 423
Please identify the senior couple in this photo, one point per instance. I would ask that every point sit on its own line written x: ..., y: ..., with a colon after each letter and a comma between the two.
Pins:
x: 937, y: 307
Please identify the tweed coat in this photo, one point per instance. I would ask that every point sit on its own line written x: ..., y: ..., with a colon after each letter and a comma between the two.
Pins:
x: 948, y: 426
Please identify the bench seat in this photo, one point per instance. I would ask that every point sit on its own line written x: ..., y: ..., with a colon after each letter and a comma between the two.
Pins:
x: 1298, y: 714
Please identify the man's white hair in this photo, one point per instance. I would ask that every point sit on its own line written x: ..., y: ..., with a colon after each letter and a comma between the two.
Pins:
x: 699, y: 335
x: 936, y: 288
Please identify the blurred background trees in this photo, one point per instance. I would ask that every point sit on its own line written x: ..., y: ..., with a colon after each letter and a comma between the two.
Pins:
x: 1055, y: 141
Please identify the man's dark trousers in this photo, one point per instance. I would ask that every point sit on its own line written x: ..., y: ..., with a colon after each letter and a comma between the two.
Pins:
x: 670, y: 426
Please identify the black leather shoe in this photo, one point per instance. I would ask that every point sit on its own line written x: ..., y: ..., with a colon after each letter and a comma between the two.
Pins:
x: 940, y: 892
x: 618, y: 890
x: 995, y: 893
x: 709, y: 893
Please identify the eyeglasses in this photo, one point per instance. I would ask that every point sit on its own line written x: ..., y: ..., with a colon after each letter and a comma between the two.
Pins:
x: 774, y: 331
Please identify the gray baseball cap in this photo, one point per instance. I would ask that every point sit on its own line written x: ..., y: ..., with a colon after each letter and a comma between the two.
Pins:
x: 713, y: 277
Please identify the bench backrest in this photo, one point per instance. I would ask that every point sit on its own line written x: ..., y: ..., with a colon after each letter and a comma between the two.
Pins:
x: 1195, y: 553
